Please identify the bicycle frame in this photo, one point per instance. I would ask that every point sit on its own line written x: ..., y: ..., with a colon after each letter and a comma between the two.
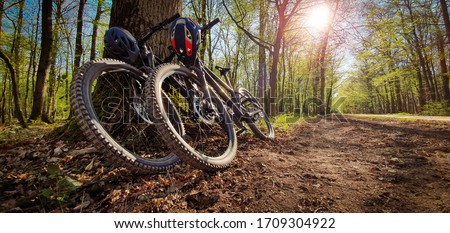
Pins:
x: 231, y: 100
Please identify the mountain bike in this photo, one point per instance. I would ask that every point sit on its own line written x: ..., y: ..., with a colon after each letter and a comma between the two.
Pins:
x: 107, y: 102
x: 208, y: 106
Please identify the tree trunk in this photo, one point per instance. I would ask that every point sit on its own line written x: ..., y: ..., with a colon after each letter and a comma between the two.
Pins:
x: 44, y: 60
x: 50, y: 102
x: 398, y: 94
x: 18, y: 40
x: 283, y: 77
x: 15, y: 49
x: 95, y: 29
x: 421, y: 65
x: 15, y: 90
x: 202, y: 20
x: 78, y: 39
x: 283, y: 19
x: 446, y: 18
x: 262, y: 71
x: 32, y: 62
x: 2, y: 4
x: 138, y: 15
x: 3, y: 96
x: 322, y: 54
x: 444, y: 67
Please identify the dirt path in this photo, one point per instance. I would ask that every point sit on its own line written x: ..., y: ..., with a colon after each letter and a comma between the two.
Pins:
x: 424, y: 118
x: 360, y: 165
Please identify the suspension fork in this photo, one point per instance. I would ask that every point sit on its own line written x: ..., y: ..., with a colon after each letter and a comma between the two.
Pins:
x: 235, y: 104
x: 203, y: 84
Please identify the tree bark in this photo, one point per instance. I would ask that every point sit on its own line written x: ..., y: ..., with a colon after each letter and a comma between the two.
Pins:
x: 32, y: 60
x: 15, y: 50
x: 444, y: 67
x: 95, y: 29
x: 137, y: 16
x: 275, y: 58
x: 262, y: 70
x: 79, y: 39
x: 3, y: 96
x: 2, y: 4
x: 18, y: 39
x: 49, y: 110
x: 15, y: 90
x: 415, y: 46
x: 44, y: 60
x: 322, y: 65
x: 446, y: 18
x: 322, y: 69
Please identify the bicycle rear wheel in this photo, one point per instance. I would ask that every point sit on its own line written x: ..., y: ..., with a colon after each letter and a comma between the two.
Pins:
x: 256, y: 118
x: 209, y: 141
x: 105, y: 101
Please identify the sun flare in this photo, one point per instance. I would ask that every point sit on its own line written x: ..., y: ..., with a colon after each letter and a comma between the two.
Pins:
x: 318, y: 17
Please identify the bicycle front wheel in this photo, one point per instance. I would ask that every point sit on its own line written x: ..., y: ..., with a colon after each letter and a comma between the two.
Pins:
x: 209, y: 141
x: 105, y: 100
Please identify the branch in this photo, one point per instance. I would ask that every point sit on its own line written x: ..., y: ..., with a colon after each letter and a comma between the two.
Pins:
x: 11, y: 5
x: 252, y: 37
x: 289, y: 16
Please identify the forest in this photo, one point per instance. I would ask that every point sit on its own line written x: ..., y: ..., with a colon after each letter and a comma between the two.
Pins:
x: 302, y: 57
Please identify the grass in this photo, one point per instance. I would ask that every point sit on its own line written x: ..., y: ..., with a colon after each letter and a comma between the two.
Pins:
x: 284, y: 122
x: 12, y: 134
x: 398, y: 117
x: 403, y: 114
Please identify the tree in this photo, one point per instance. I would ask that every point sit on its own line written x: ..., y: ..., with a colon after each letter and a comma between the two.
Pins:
x: 2, y: 4
x: 445, y: 76
x: 262, y: 70
x: 96, y: 22
x: 78, y: 40
x: 14, y: 89
x: 284, y: 15
x: 285, y: 11
x: 321, y: 60
x: 44, y: 60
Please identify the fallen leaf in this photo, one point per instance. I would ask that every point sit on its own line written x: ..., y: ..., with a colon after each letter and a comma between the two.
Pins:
x: 84, y: 151
x: 90, y: 165
x: 82, y: 205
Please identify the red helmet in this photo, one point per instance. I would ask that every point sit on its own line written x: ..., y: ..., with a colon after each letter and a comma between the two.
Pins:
x: 185, y: 36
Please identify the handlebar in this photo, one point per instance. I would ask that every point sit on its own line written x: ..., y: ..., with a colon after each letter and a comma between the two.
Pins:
x: 210, y: 25
x: 157, y: 27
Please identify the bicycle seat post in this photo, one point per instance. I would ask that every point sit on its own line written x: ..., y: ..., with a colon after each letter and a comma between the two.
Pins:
x: 223, y: 72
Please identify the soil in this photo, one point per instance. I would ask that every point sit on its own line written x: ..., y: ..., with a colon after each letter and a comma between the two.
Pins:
x: 335, y: 165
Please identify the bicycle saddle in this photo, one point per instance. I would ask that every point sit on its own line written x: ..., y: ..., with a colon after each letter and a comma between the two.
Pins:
x: 223, y: 70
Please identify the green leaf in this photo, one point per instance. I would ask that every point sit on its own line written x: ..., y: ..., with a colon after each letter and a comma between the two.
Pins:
x: 53, y: 170
x: 47, y: 193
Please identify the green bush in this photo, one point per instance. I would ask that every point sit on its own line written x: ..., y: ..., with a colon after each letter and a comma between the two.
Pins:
x: 436, y: 109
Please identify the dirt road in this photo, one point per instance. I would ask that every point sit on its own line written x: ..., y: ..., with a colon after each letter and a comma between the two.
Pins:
x: 359, y: 165
x: 412, y: 117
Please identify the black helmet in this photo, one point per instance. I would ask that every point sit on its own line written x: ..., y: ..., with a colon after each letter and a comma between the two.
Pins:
x: 185, y: 36
x: 120, y: 44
